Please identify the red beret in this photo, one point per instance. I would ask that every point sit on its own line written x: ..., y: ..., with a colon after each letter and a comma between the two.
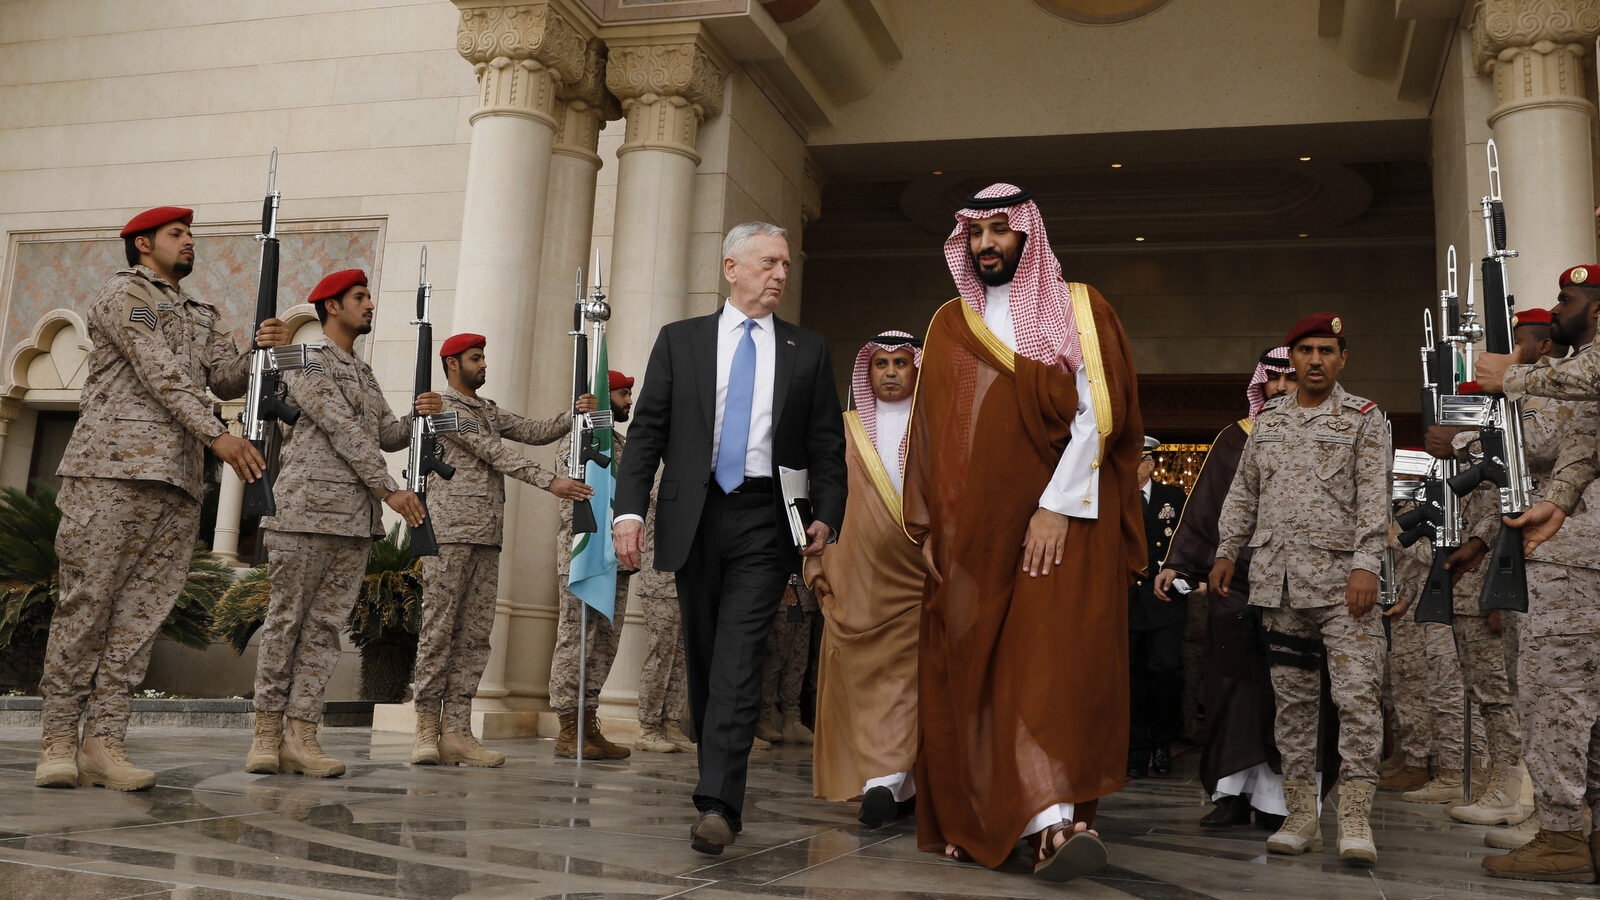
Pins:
x: 155, y: 218
x: 618, y: 380
x: 461, y: 343
x: 1321, y: 324
x: 336, y: 284
x: 1534, y: 316
x: 1581, y: 275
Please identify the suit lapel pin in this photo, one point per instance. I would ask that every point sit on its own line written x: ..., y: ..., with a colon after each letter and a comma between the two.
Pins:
x: 789, y: 342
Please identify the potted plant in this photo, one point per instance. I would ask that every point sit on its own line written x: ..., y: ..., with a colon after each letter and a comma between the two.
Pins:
x: 387, y: 615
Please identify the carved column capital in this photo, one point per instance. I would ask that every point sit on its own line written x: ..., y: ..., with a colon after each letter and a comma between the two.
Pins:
x: 521, y: 53
x: 1535, y: 50
x: 668, y: 85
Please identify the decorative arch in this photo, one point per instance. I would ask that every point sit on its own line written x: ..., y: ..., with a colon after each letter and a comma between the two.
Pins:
x: 54, y: 357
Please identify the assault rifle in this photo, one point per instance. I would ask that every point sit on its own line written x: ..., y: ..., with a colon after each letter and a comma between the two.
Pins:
x: 423, y: 459
x: 264, y: 405
x: 1498, y: 419
x: 593, y: 309
x: 1442, y: 361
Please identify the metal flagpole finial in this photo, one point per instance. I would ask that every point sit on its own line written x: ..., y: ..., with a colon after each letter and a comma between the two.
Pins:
x: 596, y: 309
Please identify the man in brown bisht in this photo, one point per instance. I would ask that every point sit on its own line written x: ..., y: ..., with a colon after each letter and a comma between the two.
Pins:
x: 1020, y: 486
x: 870, y: 587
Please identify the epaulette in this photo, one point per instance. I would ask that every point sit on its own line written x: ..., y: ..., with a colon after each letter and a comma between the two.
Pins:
x: 1359, y: 404
x: 1274, y: 402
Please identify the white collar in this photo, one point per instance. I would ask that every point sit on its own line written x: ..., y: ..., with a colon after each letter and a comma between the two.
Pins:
x: 997, y: 295
x: 732, y: 319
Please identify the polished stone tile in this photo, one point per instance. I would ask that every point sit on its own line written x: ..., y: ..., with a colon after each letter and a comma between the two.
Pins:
x: 542, y: 827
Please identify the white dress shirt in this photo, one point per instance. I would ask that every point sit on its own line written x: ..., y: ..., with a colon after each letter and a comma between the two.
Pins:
x: 1074, y: 489
x: 893, y: 417
x: 758, y: 450
x: 730, y: 331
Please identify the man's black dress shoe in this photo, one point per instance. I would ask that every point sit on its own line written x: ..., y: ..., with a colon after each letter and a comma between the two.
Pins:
x: 878, y: 807
x: 1230, y: 811
x: 711, y: 834
x: 1161, y: 762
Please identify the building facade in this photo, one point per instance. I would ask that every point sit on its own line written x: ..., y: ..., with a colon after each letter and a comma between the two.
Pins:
x: 1216, y: 168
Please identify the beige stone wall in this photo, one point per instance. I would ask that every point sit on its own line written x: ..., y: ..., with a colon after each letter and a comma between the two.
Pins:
x: 366, y: 101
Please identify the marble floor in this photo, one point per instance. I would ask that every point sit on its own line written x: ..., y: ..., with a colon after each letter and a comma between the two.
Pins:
x: 539, y: 829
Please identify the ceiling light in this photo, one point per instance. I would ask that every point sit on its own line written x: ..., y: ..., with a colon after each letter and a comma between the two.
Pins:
x: 1303, y: 234
x: 1138, y: 238
x: 1116, y: 165
x: 938, y: 171
x: 1305, y: 159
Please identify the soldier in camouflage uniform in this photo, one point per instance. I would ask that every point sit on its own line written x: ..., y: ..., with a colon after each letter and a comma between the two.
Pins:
x: 784, y: 672
x: 329, y: 494
x: 663, y: 680
x: 1312, y: 498
x: 132, y: 480
x: 1559, y: 657
x: 601, y: 641
x: 460, y: 584
x: 1410, y: 647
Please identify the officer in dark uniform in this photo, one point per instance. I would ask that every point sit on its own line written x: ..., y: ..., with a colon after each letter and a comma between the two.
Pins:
x: 1155, y: 634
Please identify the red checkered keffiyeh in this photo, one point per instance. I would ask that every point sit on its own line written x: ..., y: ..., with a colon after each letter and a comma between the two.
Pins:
x: 1257, y: 391
x: 866, y: 402
x: 1041, y: 302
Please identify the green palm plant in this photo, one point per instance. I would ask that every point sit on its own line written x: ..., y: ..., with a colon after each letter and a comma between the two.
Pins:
x: 383, y: 624
x: 240, y: 612
x: 387, y: 616
x: 30, y: 586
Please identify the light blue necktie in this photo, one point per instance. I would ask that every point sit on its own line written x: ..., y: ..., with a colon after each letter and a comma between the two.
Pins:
x: 736, y: 413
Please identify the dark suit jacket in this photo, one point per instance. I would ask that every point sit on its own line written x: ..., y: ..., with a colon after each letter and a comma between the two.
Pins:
x: 1146, y: 611
x: 674, y: 418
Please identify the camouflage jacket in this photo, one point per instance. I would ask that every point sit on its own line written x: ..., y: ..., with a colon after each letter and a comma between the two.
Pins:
x: 470, y: 507
x: 333, y: 477
x: 1576, y: 380
x: 1311, y: 497
x: 144, y: 413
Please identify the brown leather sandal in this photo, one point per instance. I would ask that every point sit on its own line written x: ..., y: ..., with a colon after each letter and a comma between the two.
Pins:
x: 951, y: 851
x: 1061, y: 854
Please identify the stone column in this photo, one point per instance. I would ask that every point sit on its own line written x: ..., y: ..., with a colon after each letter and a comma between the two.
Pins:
x: 580, y: 111
x: 10, y: 408
x: 669, y: 81
x: 230, y: 499
x: 521, y: 53
x: 1536, y: 51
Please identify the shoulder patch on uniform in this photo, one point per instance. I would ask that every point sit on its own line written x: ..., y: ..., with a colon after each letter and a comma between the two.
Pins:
x: 468, y: 425
x: 1371, y: 405
x: 314, y: 363
x: 137, y: 312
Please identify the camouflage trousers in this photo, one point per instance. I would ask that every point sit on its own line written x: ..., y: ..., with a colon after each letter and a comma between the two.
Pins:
x: 1354, y: 650
x: 316, y: 579
x: 601, y: 644
x: 458, y: 593
x: 1445, y: 693
x: 124, y: 548
x: 663, y: 688
x: 1559, y: 679
x: 1482, y: 668
x: 788, y: 656
x: 1414, y: 693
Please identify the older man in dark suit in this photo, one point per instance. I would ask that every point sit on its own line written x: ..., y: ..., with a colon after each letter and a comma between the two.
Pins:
x: 729, y: 401
x: 1155, y: 634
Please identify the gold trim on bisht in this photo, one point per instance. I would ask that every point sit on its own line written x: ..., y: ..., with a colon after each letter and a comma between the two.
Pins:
x: 876, y: 473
